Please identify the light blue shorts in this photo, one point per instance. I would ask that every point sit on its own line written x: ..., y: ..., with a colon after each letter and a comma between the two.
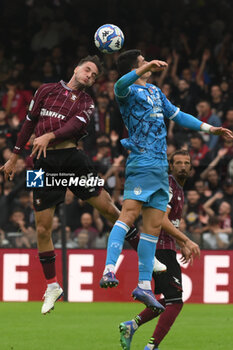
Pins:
x: 146, y: 180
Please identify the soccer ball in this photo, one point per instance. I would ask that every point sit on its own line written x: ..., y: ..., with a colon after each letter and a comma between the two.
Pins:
x: 109, y: 38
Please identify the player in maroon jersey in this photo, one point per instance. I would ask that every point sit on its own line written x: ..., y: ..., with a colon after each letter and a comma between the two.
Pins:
x: 58, y: 115
x: 168, y: 283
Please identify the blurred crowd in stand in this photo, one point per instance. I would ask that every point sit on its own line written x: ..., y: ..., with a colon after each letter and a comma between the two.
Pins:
x: 43, y: 40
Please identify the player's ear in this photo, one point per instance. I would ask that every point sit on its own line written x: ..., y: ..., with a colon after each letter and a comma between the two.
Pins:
x: 76, y: 69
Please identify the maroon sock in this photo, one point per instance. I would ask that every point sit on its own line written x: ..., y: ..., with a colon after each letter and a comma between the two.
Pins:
x: 147, y: 314
x: 165, y: 322
x: 47, y: 260
x: 134, y: 241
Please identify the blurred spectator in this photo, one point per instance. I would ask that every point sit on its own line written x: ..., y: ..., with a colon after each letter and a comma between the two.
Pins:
x: 24, y: 203
x: 5, y: 66
x: 72, y: 210
x: 58, y: 61
x: 227, y: 93
x: 221, y: 153
x: 223, y: 210
x: 185, y: 98
x: 186, y: 101
x: 46, y: 38
x: 56, y: 229
x: 83, y: 239
x: 16, y: 230
x: 14, y: 124
x: 4, y: 243
x: 16, y: 101
x: 3, y: 145
x: 218, y: 106
x: 213, y: 180
x: 199, y: 153
x: 6, y: 198
x: 116, y: 148
x: 192, y: 210
x: 228, y: 123
x: 171, y: 148
x: 87, y: 224
x: 70, y: 243
x: 203, y: 190
x: 228, y: 193
x: 103, y: 158
x: 6, y: 153
x: 215, y: 237
x: 205, y: 115
x: 202, y: 76
x: 4, y: 127
x: 103, y: 115
x: 47, y: 74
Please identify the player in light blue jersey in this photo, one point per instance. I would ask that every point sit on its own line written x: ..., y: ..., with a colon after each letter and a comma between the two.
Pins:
x: 143, y: 107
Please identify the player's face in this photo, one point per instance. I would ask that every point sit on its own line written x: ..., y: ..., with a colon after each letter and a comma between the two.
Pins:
x: 86, y: 74
x: 181, y: 166
x: 142, y: 62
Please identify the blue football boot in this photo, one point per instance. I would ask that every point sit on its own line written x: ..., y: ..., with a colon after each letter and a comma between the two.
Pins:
x: 147, y: 297
x: 109, y: 280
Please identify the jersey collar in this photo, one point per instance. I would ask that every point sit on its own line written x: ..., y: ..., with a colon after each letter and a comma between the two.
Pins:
x: 65, y: 86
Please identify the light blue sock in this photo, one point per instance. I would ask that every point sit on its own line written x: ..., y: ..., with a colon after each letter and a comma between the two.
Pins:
x: 146, y: 254
x: 116, y: 241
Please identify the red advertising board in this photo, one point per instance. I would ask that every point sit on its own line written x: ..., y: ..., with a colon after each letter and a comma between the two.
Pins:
x: 209, y: 280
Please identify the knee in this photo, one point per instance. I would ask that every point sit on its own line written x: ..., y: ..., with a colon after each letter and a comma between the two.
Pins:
x: 43, y: 232
x: 153, y: 230
x: 129, y: 216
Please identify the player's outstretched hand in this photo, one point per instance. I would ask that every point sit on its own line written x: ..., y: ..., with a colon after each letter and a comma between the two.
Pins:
x: 226, y: 133
x: 193, y: 247
x: 9, y: 167
x: 157, y: 66
x: 186, y: 255
x: 40, y: 144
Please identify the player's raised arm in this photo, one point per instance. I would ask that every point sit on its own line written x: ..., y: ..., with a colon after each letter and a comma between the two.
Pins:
x: 152, y: 66
x: 188, y: 121
x: 132, y: 66
x: 121, y: 88
x: 122, y: 85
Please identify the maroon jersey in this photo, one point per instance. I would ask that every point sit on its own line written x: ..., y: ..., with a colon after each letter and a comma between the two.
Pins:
x: 176, y: 204
x: 56, y: 108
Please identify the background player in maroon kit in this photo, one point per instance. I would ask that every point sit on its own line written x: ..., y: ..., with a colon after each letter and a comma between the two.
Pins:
x: 58, y: 115
x: 168, y: 283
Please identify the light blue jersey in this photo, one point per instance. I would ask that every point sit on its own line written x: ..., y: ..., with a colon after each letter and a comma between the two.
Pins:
x: 143, y: 110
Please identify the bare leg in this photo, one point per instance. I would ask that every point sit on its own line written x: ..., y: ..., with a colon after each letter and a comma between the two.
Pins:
x: 44, y: 220
x: 104, y: 204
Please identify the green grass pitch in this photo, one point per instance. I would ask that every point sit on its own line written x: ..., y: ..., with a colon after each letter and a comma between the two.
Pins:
x: 94, y: 326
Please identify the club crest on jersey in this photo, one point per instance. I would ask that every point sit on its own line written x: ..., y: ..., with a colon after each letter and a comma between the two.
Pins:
x: 151, y: 91
x: 73, y: 97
